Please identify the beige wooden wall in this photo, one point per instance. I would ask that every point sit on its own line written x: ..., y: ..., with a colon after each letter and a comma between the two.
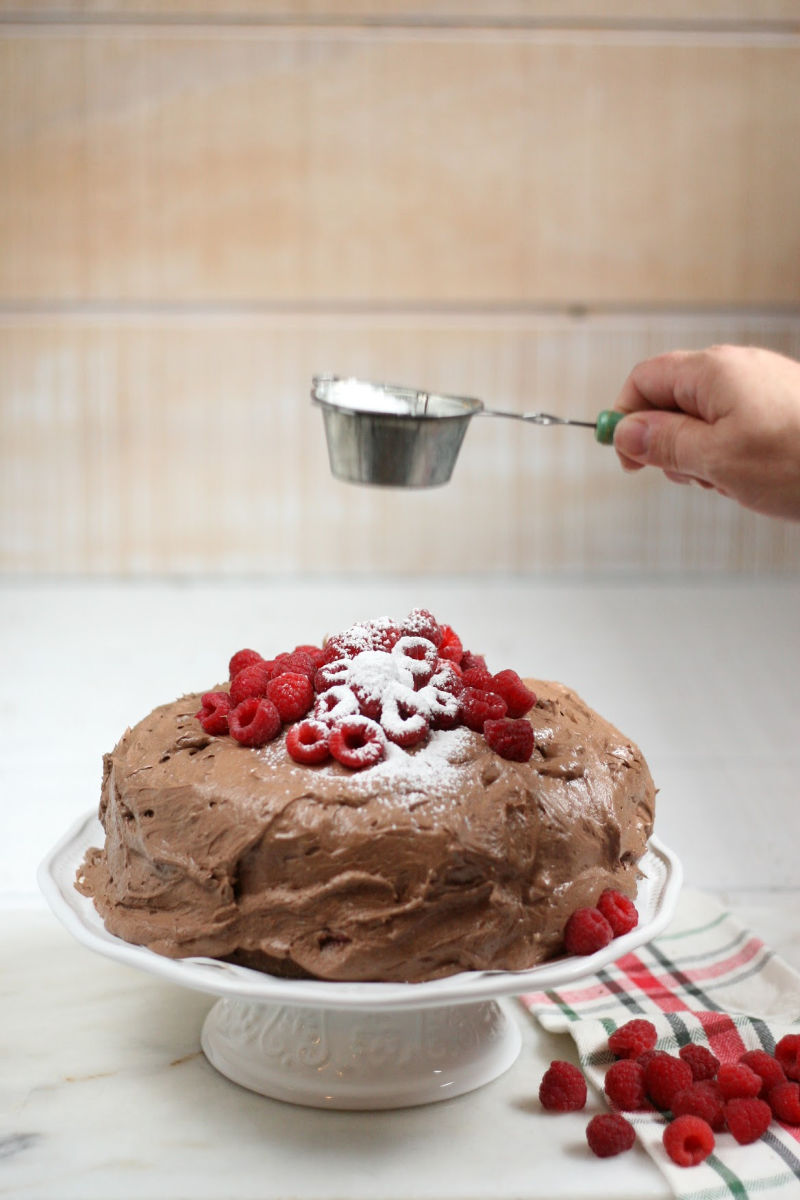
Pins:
x: 203, y: 202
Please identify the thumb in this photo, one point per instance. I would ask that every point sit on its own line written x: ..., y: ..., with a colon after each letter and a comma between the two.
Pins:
x: 673, y: 441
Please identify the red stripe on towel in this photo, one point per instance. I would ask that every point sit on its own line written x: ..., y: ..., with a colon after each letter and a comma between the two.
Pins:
x: 714, y: 970
x: 667, y: 998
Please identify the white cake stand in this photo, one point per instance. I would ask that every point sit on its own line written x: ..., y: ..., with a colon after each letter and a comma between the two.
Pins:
x: 353, y: 1045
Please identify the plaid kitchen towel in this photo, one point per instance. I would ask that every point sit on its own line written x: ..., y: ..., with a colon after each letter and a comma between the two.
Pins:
x: 706, y: 979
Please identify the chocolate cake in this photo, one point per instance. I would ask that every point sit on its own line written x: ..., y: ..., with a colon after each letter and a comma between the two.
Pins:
x: 465, y: 844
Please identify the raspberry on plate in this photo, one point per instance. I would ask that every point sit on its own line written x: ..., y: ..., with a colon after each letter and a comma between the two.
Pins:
x: 736, y: 1079
x: 254, y: 722
x: 213, y: 716
x: 703, y: 1064
x: 787, y: 1053
x: 307, y: 742
x: 747, y: 1118
x: 609, y: 1134
x: 633, y: 1038
x: 665, y: 1075
x: 784, y: 1100
x: 586, y: 931
x: 620, y: 912
x: 624, y: 1084
x: 701, y: 1099
x: 563, y: 1088
x: 688, y: 1140
x: 357, y: 742
x: 511, y: 738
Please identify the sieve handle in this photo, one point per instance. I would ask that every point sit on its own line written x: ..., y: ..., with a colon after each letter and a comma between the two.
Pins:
x: 603, y: 427
x: 607, y: 421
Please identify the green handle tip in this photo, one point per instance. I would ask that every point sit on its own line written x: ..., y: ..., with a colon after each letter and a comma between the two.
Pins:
x: 607, y: 422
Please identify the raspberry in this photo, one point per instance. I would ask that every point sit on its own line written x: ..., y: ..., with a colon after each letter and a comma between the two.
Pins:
x: 418, y: 656
x: 624, y: 1084
x: 254, y: 722
x: 787, y: 1053
x: 447, y: 679
x: 735, y: 1079
x: 619, y: 911
x: 357, y: 742
x: 470, y: 660
x: 307, y: 742
x: 563, y: 1088
x: 664, y: 1076
x: 647, y: 1056
x: 403, y: 716
x: 480, y: 678
x: 609, y: 1134
x: 314, y: 652
x: 450, y: 646
x: 586, y: 931
x: 688, y: 1140
x: 444, y: 709
x: 213, y: 716
x: 747, y: 1118
x: 702, y: 1099
x: 335, y: 704
x: 519, y: 698
x: 251, y: 681
x: 703, y: 1064
x: 298, y: 662
x: 766, y: 1066
x: 633, y: 1038
x: 380, y: 634
x: 784, y: 1100
x: 422, y: 624
x: 331, y: 674
x: 479, y: 707
x: 292, y: 694
x: 242, y: 659
x: 511, y: 739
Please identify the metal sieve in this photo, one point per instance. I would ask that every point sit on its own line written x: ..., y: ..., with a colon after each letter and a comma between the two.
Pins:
x: 379, y: 433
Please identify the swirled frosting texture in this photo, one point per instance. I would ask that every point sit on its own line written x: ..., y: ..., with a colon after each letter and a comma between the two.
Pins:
x: 440, y: 859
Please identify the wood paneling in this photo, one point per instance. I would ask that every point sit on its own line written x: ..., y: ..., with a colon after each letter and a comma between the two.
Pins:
x: 189, y: 444
x: 202, y: 202
x: 276, y: 166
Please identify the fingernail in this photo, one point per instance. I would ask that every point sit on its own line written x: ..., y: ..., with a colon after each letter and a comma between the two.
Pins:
x: 632, y: 436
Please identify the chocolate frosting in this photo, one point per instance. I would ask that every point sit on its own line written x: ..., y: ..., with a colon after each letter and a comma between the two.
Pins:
x: 439, y: 859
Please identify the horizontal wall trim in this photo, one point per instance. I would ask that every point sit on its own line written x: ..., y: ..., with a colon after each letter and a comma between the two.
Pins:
x: 597, y: 32
x: 363, y: 311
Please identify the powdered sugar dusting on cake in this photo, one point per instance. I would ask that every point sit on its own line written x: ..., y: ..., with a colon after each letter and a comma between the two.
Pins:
x: 433, y: 770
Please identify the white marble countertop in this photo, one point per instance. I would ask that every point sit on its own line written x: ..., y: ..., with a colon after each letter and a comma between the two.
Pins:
x: 105, y: 1092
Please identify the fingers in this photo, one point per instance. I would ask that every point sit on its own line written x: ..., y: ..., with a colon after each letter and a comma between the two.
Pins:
x: 680, y: 445
x: 668, y: 381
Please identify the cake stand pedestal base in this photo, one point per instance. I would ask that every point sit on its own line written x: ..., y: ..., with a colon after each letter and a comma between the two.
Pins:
x: 360, y: 1059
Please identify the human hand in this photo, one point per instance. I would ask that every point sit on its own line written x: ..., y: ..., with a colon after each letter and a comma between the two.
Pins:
x: 727, y: 418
